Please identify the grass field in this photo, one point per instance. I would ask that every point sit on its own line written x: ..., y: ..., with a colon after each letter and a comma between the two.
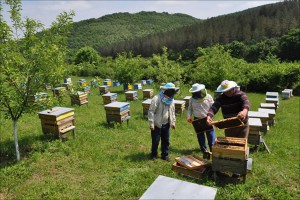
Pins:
x: 112, y: 162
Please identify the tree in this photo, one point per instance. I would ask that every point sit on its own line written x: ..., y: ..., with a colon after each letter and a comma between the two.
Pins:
x: 30, y: 60
x: 290, y: 45
x: 87, y: 55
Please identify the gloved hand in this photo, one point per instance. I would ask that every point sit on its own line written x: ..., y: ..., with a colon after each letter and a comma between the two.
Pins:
x: 189, y: 120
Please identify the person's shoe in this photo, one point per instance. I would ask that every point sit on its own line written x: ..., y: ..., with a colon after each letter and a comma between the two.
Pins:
x: 166, y: 158
x: 153, y: 157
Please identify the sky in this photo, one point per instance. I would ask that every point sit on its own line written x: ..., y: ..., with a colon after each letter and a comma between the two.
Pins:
x: 46, y: 11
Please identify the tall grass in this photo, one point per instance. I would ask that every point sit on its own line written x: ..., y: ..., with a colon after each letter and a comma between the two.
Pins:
x: 112, y: 162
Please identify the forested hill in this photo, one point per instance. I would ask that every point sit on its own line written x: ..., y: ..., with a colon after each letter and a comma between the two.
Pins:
x: 115, y: 28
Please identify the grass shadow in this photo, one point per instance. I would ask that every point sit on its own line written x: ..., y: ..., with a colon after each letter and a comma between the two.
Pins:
x: 223, y: 179
x: 138, y: 157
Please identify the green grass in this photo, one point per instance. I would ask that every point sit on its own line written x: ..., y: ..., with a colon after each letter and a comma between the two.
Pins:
x: 112, y: 162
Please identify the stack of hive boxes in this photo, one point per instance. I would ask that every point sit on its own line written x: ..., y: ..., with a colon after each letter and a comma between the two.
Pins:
x: 230, y: 154
x: 109, y: 98
x: 192, y: 166
x: 137, y: 86
x: 179, y: 106
x: 143, y: 82
x: 254, y: 131
x: 40, y: 96
x: 271, y: 113
x: 107, y: 82
x: 117, y: 112
x: 58, y: 91
x: 264, y: 118
x: 149, y: 81
x: 127, y: 86
x: 103, y: 89
x: 146, y: 105
x: 131, y: 95
x: 79, y: 98
x: 272, y: 97
x: 287, y: 93
x: 147, y: 93
x: 82, y: 82
x: 187, y: 101
x: 58, y: 121
x: 116, y: 83
x: 67, y: 83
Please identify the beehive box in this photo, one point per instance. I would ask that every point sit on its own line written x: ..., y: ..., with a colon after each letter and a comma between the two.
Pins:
x: 198, y: 173
x: 149, y: 81
x: 268, y: 105
x: 179, y: 106
x: 117, y: 112
x: 127, y: 86
x: 116, y: 83
x: 68, y: 86
x: 191, y: 162
x: 273, y: 100
x: 79, y: 99
x: 58, y: 91
x: 109, y: 98
x: 137, y: 86
x: 230, y: 147
x: 131, y: 95
x: 147, y: 93
x: 187, y: 101
x: 228, y: 123
x: 271, y: 113
x: 94, y: 83
x: 82, y: 82
x: 264, y: 117
x: 107, y: 82
x: 272, y: 95
x: 143, y: 82
x: 104, y: 89
x: 67, y: 80
x: 254, y: 131
x: 58, y: 120
x: 146, y: 105
x: 40, y: 96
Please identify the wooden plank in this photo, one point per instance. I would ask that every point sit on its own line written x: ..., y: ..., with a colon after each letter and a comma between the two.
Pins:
x: 67, y: 129
x: 191, y: 162
x: 228, y: 123
x: 231, y: 141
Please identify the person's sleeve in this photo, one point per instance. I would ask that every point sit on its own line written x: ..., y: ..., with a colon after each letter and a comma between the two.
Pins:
x: 246, y: 102
x: 214, y: 108
x: 190, y: 109
x: 151, y: 111
x: 172, y: 109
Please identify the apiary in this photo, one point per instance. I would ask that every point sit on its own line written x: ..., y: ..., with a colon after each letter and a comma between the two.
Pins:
x: 187, y: 101
x: 179, y: 106
x: 58, y: 90
x: 275, y: 101
x: 117, y: 112
x: 254, y: 131
x: 137, y: 86
x: 116, y: 83
x: 58, y: 121
x: 264, y: 117
x: 268, y: 105
x: 104, y: 89
x: 148, y: 93
x: 271, y: 113
x: 79, y: 98
x: 230, y: 154
x: 131, y: 95
x: 146, y: 105
x: 109, y: 98
x: 149, y: 81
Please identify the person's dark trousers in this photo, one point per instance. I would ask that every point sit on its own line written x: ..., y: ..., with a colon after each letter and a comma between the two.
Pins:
x: 210, y: 135
x: 164, y: 134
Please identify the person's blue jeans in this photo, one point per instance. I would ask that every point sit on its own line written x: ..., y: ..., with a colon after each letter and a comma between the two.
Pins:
x: 164, y: 134
x: 210, y: 139
x: 210, y: 135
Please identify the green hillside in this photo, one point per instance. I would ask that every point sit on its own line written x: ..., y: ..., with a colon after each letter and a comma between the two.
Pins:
x: 118, y: 27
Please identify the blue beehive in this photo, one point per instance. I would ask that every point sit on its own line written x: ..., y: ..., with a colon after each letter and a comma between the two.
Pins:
x: 116, y: 83
x: 149, y: 81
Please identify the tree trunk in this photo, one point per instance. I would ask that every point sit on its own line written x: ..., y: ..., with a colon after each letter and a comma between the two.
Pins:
x: 16, y: 140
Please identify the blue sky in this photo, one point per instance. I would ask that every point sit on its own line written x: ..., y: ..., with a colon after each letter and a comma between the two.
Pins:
x: 46, y: 11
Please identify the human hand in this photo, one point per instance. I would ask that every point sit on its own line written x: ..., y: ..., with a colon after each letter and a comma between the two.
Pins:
x: 208, y: 120
x: 242, y: 115
x: 151, y: 127
x: 173, y: 126
x: 189, y: 120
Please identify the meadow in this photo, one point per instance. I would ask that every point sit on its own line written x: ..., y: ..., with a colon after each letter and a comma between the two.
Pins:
x: 112, y: 161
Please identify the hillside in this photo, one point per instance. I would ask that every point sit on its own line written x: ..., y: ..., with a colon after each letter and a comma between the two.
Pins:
x: 249, y: 26
x: 119, y: 27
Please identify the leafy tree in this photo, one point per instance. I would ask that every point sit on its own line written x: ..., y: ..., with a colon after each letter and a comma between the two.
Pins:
x: 87, y: 55
x: 29, y: 62
x: 290, y: 45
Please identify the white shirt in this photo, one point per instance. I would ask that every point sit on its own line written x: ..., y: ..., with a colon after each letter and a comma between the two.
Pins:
x: 199, y: 107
